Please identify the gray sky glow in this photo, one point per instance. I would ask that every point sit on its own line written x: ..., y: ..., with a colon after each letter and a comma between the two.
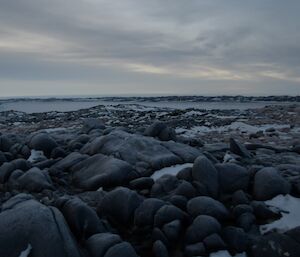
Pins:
x: 208, y: 47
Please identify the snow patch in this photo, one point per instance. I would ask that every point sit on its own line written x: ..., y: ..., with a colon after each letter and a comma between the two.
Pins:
x: 290, y: 210
x: 26, y: 252
x: 173, y: 170
x: 36, y: 156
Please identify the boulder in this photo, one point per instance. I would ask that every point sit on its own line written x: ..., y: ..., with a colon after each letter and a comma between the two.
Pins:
x: 168, y: 213
x: 202, y: 227
x: 8, y: 167
x: 5, y: 143
x: 120, y: 204
x: 98, y: 244
x: 92, y: 123
x: 144, y: 214
x: 123, y: 249
x: 214, y: 243
x: 268, y: 183
x: 102, y: 171
x: 27, y: 224
x: 236, y: 239
x: 159, y: 249
x: 44, y: 142
x: 69, y: 161
x: 204, y: 205
x: 172, y: 230
x: 233, y: 177
x: 239, y: 149
x: 161, y: 131
x: 82, y: 219
x: 35, y: 180
x: 205, y: 173
x: 197, y: 249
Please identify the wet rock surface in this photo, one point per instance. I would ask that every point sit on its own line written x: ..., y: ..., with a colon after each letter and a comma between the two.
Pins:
x: 79, y: 183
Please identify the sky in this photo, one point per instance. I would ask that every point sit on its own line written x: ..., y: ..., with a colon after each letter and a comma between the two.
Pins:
x: 142, y: 47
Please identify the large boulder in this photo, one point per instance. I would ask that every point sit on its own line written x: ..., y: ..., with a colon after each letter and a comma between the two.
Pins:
x: 27, y: 224
x: 233, y: 177
x: 5, y: 143
x: 160, y: 130
x: 202, y: 227
x: 120, y: 204
x: 69, y: 161
x: 44, y: 142
x: 144, y: 214
x: 7, y: 168
x: 135, y: 149
x: 92, y: 123
x: 82, y: 219
x: 205, y: 173
x: 239, y: 149
x: 35, y: 180
x: 102, y: 171
x: 204, y: 205
x: 268, y: 183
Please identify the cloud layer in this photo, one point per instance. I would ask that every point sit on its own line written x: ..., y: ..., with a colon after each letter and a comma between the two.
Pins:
x: 141, y: 47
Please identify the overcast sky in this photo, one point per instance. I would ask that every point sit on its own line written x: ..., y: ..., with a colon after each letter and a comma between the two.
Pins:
x: 208, y: 47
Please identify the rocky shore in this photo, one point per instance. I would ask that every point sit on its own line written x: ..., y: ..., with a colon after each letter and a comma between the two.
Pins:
x: 131, y: 180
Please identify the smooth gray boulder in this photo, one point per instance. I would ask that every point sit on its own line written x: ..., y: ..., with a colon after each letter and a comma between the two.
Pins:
x: 92, y: 123
x: 25, y: 224
x: 102, y: 171
x: 233, y: 177
x: 202, y: 227
x: 204, y: 205
x: 99, y: 244
x: 82, y: 219
x: 268, y: 183
x: 159, y: 249
x: 134, y: 149
x: 69, y: 161
x: 144, y: 214
x: 239, y: 149
x: 35, y: 180
x: 168, y: 213
x: 44, y: 142
x: 120, y: 204
x: 160, y: 130
x: 123, y: 249
x: 205, y: 173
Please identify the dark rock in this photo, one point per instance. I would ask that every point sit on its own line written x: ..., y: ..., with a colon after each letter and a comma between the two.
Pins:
x: 25, y: 223
x: 214, y: 243
x: 179, y: 201
x: 276, y: 245
x: 246, y: 220
x: 205, y: 173
x: 204, y: 205
x: 160, y: 130
x: 141, y: 183
x: 172, y: 230
x: 120, y: 204
x: 241, y: 209
x: 233, y: 177
x: 185, y: 174
x: 239, y: 197
x: 239, y: 149
x: 98, y: 244
x: 202, y: 227
x: 159, y: 249
x: 2, y: 158
x: 42, y: 142
x: 157, y: 234
x: 92, y: 123
x: 5, y: 143
x: 102, y: 171
x: 268, y: 183
x: 58, y: 152
x: 261, y: 211
x: 144, y: 214
x: 236, y: 239
x: 8, y: 167
x: 69, y: 161
x: 197, y: 249
x: 123, y: 249
x: 168, y: 213
x: 35, y: 180
x: 82, y: 219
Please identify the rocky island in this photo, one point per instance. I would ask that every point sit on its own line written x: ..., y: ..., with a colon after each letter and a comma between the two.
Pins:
x: 132, y: 180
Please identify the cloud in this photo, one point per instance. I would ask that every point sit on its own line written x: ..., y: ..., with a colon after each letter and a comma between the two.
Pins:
x: 121, y: 43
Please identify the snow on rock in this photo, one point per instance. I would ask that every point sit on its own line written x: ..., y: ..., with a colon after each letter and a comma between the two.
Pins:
x: 290, y: 210
x: 173, y: 170
x: 36, y: 156
x: 226, y: 254
x: 26, y: 252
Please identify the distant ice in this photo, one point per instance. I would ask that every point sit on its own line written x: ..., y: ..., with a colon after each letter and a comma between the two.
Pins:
x: 173, y: 170
x: 290, y: 210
